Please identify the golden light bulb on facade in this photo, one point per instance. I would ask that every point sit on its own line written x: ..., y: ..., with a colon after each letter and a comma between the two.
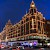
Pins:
x: 33, y: 6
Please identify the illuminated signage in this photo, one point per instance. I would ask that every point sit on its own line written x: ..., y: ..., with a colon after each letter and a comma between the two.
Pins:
x: 31, y: 44
x: 13, y: 39
x: 35, y: 42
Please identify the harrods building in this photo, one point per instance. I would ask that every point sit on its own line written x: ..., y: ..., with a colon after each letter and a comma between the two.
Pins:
x: 30, y: 27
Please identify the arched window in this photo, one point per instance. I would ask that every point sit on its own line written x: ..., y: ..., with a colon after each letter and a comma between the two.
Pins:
x: 31, y: 11
x: 38, y: 17
x: 21, y: 22
x: 27, y: 19
x: 33, y: 17
x: 34, y: 10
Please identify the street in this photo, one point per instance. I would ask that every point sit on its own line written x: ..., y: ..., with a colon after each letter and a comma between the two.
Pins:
x: 31, y: 49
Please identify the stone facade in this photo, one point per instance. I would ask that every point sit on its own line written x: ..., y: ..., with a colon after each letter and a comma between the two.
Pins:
x: 31, y: 26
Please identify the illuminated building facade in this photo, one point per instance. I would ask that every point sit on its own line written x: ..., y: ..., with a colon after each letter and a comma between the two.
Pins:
x: 47, y: 28
x: 30, y: 27
x: 0, y: 37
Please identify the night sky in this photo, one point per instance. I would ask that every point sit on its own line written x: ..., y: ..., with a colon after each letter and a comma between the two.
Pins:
x: 16, y: 9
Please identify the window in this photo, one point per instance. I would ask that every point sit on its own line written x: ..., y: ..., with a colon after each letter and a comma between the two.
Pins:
x: 13, y: 36
x: 30, y: 24
x: 18, y: 31
x: 30, y: 37
x: 21, y: 22
x: 18, y: 34
x: 39, y: 26
x: 27, y: 28
x: 27, y: 19
x: 18, y: 27
x: 34, y: 21
x: 38, y: 23
x: 38, y: 17
x: 34, y: 26
x: 30, y: 18
x: 10, y: 36
x: 31, y: 12
x: 44, y: 26
x: 24, y: 21
x: 22, y: 30
x: 33, y: 31
x: 34, y: 10
x: 26, y: 39
x: 33, y: 17
x: 11, y: 29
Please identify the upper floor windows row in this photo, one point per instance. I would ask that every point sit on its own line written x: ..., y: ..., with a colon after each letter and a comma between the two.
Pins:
x: 27, y: 19
x: 32, y: 11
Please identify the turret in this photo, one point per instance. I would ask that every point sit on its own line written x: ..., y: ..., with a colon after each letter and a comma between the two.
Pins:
x: 32, y: 8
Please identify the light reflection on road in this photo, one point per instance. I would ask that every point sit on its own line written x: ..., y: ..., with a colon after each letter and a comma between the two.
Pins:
x: 31, y: 49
